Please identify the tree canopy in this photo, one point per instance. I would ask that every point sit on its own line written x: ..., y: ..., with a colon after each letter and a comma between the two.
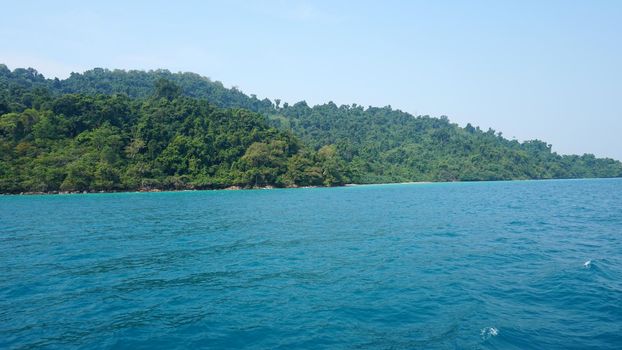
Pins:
x: 106, y: 130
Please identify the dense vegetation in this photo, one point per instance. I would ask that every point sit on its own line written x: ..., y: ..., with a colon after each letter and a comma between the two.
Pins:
x: 384, y: 145
x: 117, y: 130
x: 77, y: 142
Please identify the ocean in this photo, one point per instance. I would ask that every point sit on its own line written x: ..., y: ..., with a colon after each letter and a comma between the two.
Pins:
x: 476, y: 265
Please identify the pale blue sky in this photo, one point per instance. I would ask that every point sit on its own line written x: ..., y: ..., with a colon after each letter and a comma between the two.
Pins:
x: 532, y: 69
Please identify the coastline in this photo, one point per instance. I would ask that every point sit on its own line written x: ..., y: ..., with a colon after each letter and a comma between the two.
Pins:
x: 155, y: 190
x: 400, y: 183
x: 269, y: 187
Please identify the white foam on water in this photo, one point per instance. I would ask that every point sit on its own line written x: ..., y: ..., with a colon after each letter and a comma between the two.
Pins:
x: 489, y: 332
x: 587, y: 264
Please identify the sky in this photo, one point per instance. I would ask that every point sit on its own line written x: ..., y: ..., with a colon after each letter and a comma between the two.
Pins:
x: 549, y: 70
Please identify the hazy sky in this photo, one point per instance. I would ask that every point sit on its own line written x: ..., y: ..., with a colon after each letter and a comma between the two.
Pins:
x: 532, y: 69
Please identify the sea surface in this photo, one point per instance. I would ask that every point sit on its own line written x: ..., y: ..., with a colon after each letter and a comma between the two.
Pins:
x: 482, y: 265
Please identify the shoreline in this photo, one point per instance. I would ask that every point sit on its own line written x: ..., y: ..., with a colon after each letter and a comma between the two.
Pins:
x: 155, y: 190
x: 405, y: 183
x: 269, y: 187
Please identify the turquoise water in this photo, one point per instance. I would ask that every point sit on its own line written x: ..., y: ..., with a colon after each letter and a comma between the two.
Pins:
x: 498, y: 265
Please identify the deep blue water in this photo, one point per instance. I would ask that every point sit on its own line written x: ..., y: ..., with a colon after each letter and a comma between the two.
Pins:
x: 490, y: 265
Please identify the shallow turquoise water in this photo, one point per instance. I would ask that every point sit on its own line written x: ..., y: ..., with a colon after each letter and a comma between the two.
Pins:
x: 491, y: 265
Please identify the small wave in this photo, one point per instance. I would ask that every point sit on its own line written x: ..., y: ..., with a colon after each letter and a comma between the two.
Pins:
x: 489, y: 332
x: 587, y: 264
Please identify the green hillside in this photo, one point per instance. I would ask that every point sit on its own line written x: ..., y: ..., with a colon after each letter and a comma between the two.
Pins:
x: 125, y: 130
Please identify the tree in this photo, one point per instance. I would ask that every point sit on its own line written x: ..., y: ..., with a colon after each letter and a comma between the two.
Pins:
x: 332, y: 166
x: 166, y: 89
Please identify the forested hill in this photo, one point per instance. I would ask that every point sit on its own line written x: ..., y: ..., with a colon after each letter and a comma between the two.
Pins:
x: 384, y: 145
x: 79, y: 142
x: 324, y: 144
x: 134, y: 84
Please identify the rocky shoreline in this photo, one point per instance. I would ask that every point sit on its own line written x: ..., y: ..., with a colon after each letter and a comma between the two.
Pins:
x: 147, y: 190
